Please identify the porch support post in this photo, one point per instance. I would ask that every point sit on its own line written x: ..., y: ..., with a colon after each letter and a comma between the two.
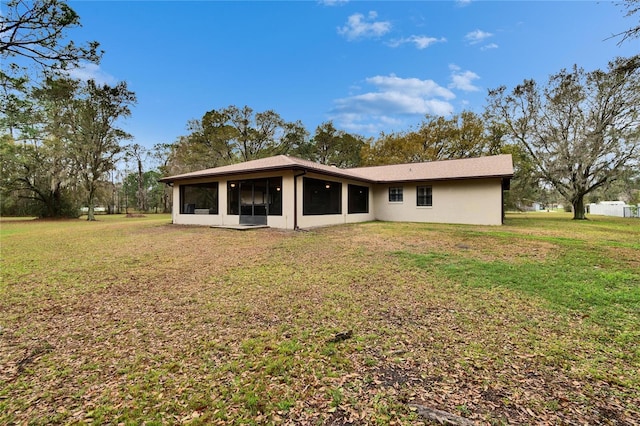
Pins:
x: 295, y: 198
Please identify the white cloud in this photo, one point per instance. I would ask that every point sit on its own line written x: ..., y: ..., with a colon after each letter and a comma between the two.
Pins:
x: 462, y: 80
x: 89, y: 71
x: 413, y: 86
x: 361, y: 123
x: 477, y: 36
x: 378, y: 103
x: 358, y: 26
x: 421, y: 42
x: 393, y: 101
x: 463, y: 3
x: 489, y: 46
x: 333, y: 2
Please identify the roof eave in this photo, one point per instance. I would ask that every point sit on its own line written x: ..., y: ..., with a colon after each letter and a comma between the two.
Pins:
x: 173, y: 179
x: 388, y: 181
x: 338, y: 173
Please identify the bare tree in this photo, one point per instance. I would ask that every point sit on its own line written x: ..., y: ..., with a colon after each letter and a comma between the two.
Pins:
x: 632, y: 7
x: 582, y: 130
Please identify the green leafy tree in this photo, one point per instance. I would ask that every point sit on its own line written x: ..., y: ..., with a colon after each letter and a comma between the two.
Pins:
x: 152, y: 190
x: 438, y: 138
x: 581, y: 130
x: 234, y: 134
x: 624, y: 188
x: 55, y: 100
x: 138, y: 154
x: 526, y: 186
x: 334, y: 147
x: 42, y: 170
x: 210, y: 143
x: 262, y: 134
x: 36, y: 30
x: 16, y: 109
x: 155, y: 191
x: 27, y: 182
x: 72, y: 144
x: 161, y: 153
x: 95, y: 135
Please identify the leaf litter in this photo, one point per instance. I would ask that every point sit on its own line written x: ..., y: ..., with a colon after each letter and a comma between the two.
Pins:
x: 199, y: 326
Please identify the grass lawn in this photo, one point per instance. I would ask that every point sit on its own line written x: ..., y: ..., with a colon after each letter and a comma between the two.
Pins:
x: 132, y: 320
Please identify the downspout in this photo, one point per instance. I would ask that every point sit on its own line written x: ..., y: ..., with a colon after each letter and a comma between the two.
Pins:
x: 295, y: 199
x: 505, y: 186
x: 502, y: 204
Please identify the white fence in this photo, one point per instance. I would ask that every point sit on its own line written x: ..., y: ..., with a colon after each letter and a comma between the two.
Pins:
x: 614, y: 208
x: 96, y: 210
x: 632, y: 211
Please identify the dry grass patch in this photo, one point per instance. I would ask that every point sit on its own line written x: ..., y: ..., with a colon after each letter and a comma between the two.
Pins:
x: 455, y: 240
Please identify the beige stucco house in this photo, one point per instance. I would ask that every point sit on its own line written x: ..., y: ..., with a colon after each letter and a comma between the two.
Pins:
x: 289, y: 193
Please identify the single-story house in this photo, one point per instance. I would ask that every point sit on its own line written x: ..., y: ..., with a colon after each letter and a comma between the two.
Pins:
x: 289, y: 193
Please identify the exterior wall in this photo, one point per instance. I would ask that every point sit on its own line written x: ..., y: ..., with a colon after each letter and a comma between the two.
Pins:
x: 311, y: 221
x: 473, y: 201
x: 284, y: 221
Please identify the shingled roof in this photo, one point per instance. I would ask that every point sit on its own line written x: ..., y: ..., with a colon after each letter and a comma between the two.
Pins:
x: 278, y: 162
x: 467, y: 168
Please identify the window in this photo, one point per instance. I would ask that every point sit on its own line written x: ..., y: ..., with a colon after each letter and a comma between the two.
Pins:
x: 201, y: 198
x: 395, y: 194
x: 233, y: 198
x: 321, y: 197
x: 275, y: 196
x: 259, y: 195
x: 424, y: 196
x: 358, y: 199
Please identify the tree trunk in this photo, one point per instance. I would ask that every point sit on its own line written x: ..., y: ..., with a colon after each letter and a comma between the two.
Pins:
x: 53, y: 203
x: 141, y: 198
x: 50, y: 210
x: 165, y: 202
x: 57, y: 202
x: 578, y: 208
x: 90, y: 212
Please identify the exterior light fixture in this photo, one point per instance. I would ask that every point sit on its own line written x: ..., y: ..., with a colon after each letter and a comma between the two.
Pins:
x: 328, y: 185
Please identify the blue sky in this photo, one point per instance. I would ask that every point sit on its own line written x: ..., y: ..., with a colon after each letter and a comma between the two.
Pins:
x: 367, y: 66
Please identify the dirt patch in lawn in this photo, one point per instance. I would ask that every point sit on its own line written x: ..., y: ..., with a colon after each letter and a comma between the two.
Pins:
x: 628, y: 257
x: 474, y: 246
